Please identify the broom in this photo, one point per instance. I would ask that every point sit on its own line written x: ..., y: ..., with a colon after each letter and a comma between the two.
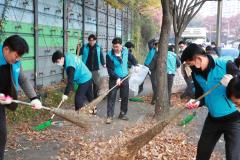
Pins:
x: 77, y: 118
x: 47, y: 123
x: 94, y: 103
x: 191, y: 116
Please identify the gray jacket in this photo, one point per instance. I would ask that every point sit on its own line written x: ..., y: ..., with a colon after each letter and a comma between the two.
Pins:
x: 26, y: 87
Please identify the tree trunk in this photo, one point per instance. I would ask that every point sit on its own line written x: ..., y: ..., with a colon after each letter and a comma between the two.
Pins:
x: 162, y: 103
x: 177, y: 40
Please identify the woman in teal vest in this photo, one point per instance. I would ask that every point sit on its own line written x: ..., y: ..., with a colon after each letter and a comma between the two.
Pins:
x: 151, y: 62
x: 11, y: 77
x: 92, y: 57
x: 223, y: 117
x: 117, y: 65
x: 173, y: 62
x: 77, y: 72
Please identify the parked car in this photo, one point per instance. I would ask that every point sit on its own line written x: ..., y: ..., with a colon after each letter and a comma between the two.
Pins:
x: 233, y: 52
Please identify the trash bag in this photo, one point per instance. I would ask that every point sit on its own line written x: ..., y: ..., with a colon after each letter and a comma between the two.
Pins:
x: 101, y: 79
x: 137, y: 77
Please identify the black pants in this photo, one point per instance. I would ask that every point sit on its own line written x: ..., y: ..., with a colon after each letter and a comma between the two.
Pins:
x: 211, y: 133
x: 82, y: 91
x: 3, y: 131
x: 124, y: 91
x: 170, y: 84
x: 153, y: 78
x: 94, y: 90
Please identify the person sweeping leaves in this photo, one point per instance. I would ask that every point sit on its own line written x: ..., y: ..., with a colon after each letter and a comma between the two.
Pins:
x: 77, y: 72
x: 11, y: 79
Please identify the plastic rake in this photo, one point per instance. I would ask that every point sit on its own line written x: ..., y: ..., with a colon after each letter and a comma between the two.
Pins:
x: 191, y: 116
x: 47, y: 123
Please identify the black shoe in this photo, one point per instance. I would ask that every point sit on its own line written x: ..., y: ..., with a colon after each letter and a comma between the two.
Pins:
x: 123, y: 117
x: 153, y: 102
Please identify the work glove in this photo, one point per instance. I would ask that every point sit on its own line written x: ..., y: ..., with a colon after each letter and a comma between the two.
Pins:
x: 118, y: 82
x: 192, y: 104
x: 36, y: 104
x: 136, y: 69
x: 226, y: 79
x: 64, y: 97
x: 5, y: 99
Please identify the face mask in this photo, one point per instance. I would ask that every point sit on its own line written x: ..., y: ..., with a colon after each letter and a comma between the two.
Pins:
x: 60, y: 64
x: 195, y: 69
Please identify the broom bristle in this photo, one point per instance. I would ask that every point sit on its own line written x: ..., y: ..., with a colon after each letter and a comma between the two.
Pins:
x: 77, y: 118
x: 96, y: 101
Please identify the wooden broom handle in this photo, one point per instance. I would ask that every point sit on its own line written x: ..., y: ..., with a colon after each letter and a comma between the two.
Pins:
x: 208, y: 92
x: 29, y: 104
x: 117, y: 85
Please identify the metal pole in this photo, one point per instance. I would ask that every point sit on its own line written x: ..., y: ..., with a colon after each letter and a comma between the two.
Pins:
x: 36, y: 39
x: 65, y: 27
x: 97, y: 24
x: 115, y: 23
x: 65, y: 21
x: 83, y: 20
x: 107, y: 38
x: 219, y: 23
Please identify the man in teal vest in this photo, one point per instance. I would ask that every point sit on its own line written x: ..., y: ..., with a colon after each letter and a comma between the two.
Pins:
x: 11, y: 79
x: 223, y: 117
x: 233, y: 89
x: 117, y: 65
x: 77, y: 72
x: 150, y: 62
x: 92, y: 56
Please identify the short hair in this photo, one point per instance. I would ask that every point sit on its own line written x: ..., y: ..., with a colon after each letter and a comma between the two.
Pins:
x: 191, y: 51
x: 117, y: 40
x: 209, y: 48
x: 17, y: 44
x: 237, y: 61
x: 233, y: 88
x: 57, y: 55
x: 92, y: 36
x: 129, y: 45
x: 171, y: 48
x: 182, y: 42
x: 213, y: 43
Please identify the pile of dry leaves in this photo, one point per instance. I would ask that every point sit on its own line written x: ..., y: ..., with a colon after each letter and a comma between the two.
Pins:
x: 171, y: 144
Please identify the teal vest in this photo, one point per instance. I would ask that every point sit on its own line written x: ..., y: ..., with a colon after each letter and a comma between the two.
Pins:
x: 121, y: 69
x: 227, y: 58
x: 217, y: 102
x: 82, y: 73
x: 171, y: 62
x: 150, y: 56
x: 86, y: 53
x: 15, y: 68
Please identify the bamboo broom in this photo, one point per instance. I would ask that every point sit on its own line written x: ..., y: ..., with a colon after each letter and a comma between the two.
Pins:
x: 77, y: 118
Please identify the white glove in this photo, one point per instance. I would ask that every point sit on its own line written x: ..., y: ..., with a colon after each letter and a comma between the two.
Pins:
x: 5, y: 99
x: 36, y: 104
x: 118, y: 82
x: 191, y: 104
x: 226, y: 79
x: 64, y: 97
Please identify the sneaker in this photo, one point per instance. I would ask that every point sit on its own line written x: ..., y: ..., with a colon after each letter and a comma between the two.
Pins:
x: 109, y: 120
x: 120, y: 99
x: 123, y: 117
x: 93, y: 111
x: 153, y: 102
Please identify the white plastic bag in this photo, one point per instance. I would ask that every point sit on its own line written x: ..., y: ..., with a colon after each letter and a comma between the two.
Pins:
x: 179, y: 83
x: 137, y: 77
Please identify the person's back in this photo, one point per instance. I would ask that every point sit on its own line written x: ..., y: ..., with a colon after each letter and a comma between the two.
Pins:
x: 82, y: 73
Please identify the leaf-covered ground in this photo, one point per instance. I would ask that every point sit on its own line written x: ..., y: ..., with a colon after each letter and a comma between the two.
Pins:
x: 65, y: 141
